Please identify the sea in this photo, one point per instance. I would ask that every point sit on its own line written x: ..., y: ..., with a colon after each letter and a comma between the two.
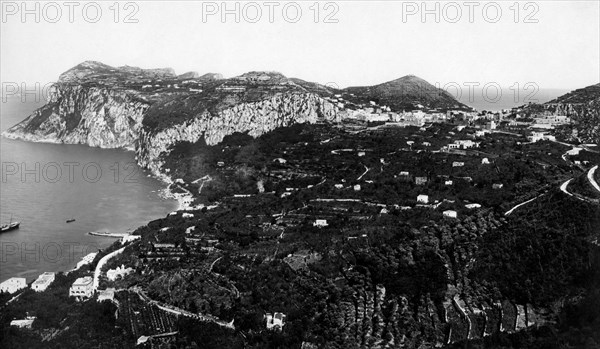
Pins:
x: 44, y: 184
x: 496, y: 98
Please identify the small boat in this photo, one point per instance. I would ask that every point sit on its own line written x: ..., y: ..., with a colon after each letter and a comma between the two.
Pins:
x: 70, y: 220
x: 10, y: 226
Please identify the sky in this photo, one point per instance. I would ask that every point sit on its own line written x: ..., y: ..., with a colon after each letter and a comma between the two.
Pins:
x: 553, y: 44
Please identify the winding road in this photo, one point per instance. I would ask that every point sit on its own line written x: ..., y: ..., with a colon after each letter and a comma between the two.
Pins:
x: 590, y: 176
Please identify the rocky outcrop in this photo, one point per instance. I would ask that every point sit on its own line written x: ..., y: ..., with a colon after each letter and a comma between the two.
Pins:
x: 96, y: 116
x: 96, y: 71
x: 256, y: 118
x: 101, y: 116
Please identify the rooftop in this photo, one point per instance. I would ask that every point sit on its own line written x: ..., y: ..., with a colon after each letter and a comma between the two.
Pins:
x: 84, y: 281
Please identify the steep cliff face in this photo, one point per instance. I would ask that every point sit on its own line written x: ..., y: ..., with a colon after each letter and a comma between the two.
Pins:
x: 153, y: 109
x: 75, y: 114
x: 101, y: 106
x: 255, y: 118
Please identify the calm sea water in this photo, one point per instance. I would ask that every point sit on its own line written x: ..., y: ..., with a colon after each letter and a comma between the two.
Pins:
x: 104, y: 190
x: 494, y: 99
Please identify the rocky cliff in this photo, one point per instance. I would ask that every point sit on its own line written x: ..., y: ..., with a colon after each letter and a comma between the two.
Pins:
x: 254, y: 118
x: 97, y: 116
x: 102, y: 106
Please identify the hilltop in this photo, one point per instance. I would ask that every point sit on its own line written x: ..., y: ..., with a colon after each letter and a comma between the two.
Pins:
x: 407, y: 93
x: 578, y: 96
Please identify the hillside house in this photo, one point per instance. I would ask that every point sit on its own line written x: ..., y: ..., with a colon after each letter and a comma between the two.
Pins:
x: 42, y: 282
x: 540, y: 136
x: 12, y: 285
x: 23, y: 323
x: 320, y: 223
x: 423, y: 199
x: 275, y: 321
x: 420, y: 180
x: 450, y: 213
x: 82, y: 288
x: 121, y: 271
x: 106, y: 295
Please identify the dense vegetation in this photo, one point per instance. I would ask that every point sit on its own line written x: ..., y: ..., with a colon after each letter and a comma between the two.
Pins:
x: 386, y: 270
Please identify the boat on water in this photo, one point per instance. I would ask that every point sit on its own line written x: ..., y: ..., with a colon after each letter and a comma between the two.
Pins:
x: 10, y: 226
x: 70, y: 220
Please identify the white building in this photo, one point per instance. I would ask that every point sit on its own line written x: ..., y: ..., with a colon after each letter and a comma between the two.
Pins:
x: 423, y: 199
x: 320, y: 223
x: 472, y: 206
x: 466, y: 143
x: 121, y: 271
x: 448, y: 183
x: 497, y: 186
x: 187, y: 215
x: 357, y: 187
x: 485, y: 161
x: 275, y: 321
x: 450, y: 213
x: 540, y: 136
x: 12, y: 285
x: 89, y: 258
x: 24, y: 323
x: 458, y: 164
x: 42, y: 282
x: 128, y: 238
x: 82, y: 288
x: 106, y: 295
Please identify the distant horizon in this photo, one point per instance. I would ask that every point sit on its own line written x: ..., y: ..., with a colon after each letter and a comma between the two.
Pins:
x: 349, y: 43
x: 465, y: 84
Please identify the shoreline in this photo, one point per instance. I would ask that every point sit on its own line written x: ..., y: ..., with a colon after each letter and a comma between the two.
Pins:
x: 163, y: 192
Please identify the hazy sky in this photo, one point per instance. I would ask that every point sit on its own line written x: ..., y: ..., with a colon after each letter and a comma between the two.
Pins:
x: 372, y: 41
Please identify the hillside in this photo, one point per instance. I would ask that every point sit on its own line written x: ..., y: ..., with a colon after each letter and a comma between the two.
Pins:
x: 582, y: 106
x: 151, y: 110
x: 407, y: 93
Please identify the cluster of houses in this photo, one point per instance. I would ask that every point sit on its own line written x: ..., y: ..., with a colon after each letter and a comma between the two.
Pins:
x: 550, y: 121
x: 15, y: 284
